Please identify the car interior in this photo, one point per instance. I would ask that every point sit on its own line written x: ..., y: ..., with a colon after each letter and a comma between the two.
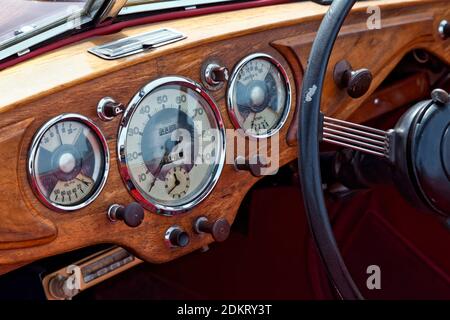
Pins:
x: 224, y: 150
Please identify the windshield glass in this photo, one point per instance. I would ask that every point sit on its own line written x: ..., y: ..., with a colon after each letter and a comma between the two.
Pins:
x: 22, y: 16
x: 136, y: 6
x: 26, y: 24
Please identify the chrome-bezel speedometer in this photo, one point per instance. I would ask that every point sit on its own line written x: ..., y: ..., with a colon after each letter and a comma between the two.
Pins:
x: 32, y: 165
x: 148, y: 202
x: 232, y: 103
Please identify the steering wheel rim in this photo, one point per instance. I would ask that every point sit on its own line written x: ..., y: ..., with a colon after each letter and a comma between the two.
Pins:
x: 308, y: 135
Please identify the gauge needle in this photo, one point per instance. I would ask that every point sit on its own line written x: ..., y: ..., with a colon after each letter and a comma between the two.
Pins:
x: 83, y: 181
x: 77, y: 135
x: 253, y: 121
x: 177, y: 183
x: 59, y: 135
x: 87, y: 181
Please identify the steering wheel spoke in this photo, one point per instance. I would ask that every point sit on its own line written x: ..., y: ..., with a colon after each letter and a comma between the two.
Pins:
x: 355, y: 136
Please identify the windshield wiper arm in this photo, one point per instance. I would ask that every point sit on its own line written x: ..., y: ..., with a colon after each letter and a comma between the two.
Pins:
x: 111, y: 11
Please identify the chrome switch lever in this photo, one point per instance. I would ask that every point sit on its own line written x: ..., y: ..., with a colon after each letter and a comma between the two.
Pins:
x: 108, y: 109
x: 216, y: 74
x: 444, y: 29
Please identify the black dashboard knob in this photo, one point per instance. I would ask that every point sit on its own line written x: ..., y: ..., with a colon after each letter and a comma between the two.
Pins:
x: 132, y: 214
x: 357, y: 82
x: 219, y: 229
x: 177, y: 237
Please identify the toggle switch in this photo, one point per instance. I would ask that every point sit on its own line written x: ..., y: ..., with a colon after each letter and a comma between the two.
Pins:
x: 216, y: 74
x: 108, y: 109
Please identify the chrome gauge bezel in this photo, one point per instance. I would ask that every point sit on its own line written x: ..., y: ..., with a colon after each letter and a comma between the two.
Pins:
x: 34, y: 149
x: 231, y: 102
x: 154, y: 206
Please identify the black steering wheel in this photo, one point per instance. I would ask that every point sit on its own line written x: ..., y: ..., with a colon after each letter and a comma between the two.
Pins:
x: 309, y: 126
x: 411, y: 149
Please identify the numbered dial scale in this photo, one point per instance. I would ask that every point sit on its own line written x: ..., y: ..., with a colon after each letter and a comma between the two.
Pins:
x: 171, y: 145
x: 68, y: 162
x: 259, y: 96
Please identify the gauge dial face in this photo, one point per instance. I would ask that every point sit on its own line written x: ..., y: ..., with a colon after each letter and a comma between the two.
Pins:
x: 259, y: 96
x: 68, y: 162
x: 172, y: 145
x: 177, y: 182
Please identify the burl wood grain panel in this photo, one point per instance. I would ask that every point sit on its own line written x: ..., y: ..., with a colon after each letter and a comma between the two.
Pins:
x: 90, y: 225
x: 285, y: 32
x: 20, y: 224
x: 414, y: 88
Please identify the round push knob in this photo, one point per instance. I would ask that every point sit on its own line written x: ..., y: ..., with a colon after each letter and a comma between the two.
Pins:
x: 132, y: 214
x: 219, y: 229
x: 357, y: 82
x: 176, y: 237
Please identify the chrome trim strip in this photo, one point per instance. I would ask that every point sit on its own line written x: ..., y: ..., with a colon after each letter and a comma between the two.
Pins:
x: 122, y: 137
x: 33, y: 151
x: 356, y: 136
x: 231, y: 102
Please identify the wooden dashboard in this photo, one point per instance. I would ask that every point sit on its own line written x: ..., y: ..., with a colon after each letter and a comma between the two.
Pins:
x: 72, y: 80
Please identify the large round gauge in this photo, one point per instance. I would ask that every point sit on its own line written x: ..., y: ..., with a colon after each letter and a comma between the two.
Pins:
x: 171, y: 145
x: 68, y: 162
x: 259, y: 96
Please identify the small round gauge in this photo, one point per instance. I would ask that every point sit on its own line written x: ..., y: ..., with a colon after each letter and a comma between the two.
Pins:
x: 177, y: 182
x: 171, y: 145
x: 68, y: 162
x: 259, y: 96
